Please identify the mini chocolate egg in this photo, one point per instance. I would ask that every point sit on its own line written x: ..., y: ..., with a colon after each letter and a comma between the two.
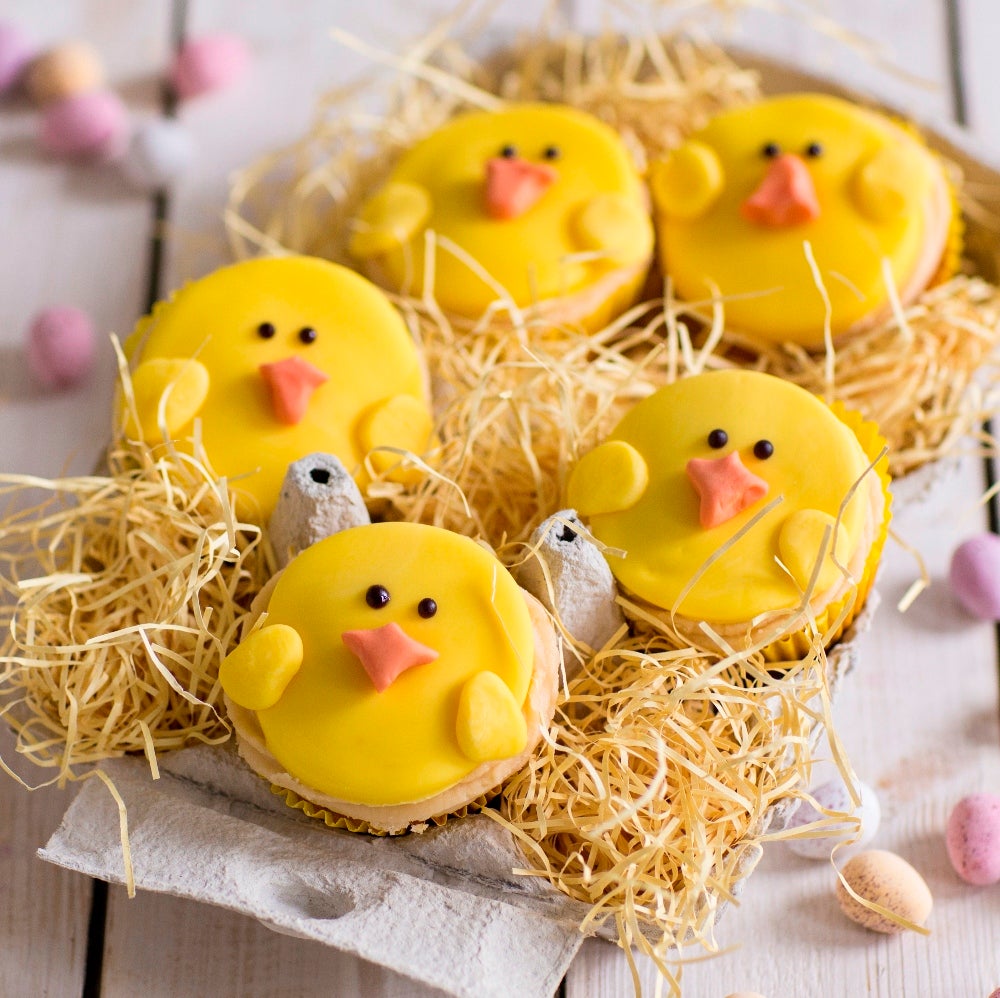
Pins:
x: 60, y: 347
x: 975, y: 575
x: 68, y: 69
x: 159, y: 151
x: 833, y: 796
x: 973, y: 839
x: 745, y: 994
x: 16, y: 52
x: 85, y: 125
x: 886, y: 880
x: 209, y: 63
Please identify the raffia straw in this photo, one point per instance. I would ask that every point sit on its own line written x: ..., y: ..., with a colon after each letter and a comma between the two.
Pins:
x: 656, y: 783
x: 121, y: 594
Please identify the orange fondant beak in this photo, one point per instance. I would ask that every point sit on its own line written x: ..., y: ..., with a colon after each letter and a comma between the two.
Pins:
x: 786, y: 196
x: 725, y: 486
x: 513, y: 185
x: 292, y: 382
x: 386, y: 652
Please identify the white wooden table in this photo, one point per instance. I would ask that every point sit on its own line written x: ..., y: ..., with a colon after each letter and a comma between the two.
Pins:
x: 919, y: 717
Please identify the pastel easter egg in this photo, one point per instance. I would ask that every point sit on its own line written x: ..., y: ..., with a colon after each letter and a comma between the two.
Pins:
x: 159, y: 151
x: 60, y: 346
x: 886, y: 880
x: 833, y: 796
x: 975, y: 575
x: 68, y: 69
x: 16, y: 52
x: 973, y: 839
x: 208, y: 63
x: 745, y: 994
x: 86, y: 125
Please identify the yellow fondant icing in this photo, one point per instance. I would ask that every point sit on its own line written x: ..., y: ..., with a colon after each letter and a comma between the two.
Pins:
x: 168, y: 394
x: 391, y: 218
x: 331, y: 729
x: 805, y: 534
x: 403, y: 420
x: 361, y: 345
x: 530, y: 255
x: 857, y: 157
x: 490, y: 724
x: 257, y: 671
x: 610, y: 478
x: 816, y: 460
x: 688, y: 181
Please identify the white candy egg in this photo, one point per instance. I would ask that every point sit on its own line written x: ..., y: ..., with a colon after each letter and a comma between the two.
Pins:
x: 159, y: 151
x: 833, y: 796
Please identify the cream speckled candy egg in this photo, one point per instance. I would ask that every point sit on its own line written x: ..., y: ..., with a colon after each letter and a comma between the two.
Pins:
x: 887, y: 880
x: 973, y: 839
x: 833, y: 796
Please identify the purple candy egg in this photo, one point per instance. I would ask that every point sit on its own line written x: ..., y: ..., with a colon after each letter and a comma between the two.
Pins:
x: 975, y: 575
x: 60, y: 346
x: 90, y: 124
x: 208, y: 63
x: 15, y: 54
x: 973, y: 839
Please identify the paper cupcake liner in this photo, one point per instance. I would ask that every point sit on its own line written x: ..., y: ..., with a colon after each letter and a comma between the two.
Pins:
x: 334, y: 820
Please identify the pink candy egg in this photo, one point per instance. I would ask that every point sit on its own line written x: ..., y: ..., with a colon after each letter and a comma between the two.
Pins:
x: 60, y: 348
x: 975, y: 576
x: 91, y: 124
x: 973, y: 839
x: 208, y: 63
x: 16, y: 52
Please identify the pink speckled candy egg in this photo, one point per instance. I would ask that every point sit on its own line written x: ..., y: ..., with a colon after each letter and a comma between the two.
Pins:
x: 60, y: 348
x: 93, y: 124
x: 973, y: 839
x: 975, y: 575
x: 16, y: 52
x: 209, y: 63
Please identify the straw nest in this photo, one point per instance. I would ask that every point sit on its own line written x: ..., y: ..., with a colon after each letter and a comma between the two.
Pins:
x: 121, y: 594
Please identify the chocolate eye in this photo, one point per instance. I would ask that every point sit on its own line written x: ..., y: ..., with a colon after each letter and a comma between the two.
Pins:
x: 717, y: 439
x: 266, y: 330
x: 814, y: 150
x: 763, y: 449
x: 771, y: 150
x: 551, y: 152
x: 307, y: 334
x: 427, y: 607
x: 508, y: 151
x: 377, y: 597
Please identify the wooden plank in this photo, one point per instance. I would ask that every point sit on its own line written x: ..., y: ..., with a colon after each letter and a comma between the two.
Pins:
x: 71, y: 236
x: 979, y: 30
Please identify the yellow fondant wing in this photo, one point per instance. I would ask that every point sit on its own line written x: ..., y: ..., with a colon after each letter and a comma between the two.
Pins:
x: 617, y: 226
x: 389, y: 219
x: 402, y: 421
x: 688, y: 181
x: 800, y: 542
x: 168, y: 392
x: 490, y: 724
x: 890, y: 183
x: 257, y: 671
x: 612, y: 477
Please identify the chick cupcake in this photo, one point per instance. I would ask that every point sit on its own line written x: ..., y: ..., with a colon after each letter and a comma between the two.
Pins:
x: 739, y: 507
x: 535, y: 206
x: 803, y: 209
x: 398, y: 675
x: 274, y: 359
